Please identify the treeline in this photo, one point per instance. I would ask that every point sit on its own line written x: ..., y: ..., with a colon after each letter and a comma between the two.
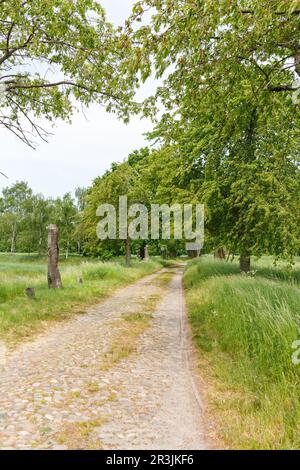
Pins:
x: 24, y: 217
x: 258, y: 213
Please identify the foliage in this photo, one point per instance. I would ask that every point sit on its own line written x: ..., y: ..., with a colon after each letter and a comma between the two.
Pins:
x: 230, y: 74
x: 53, y: 51
x: 19, y: 271
x: 106, y: 190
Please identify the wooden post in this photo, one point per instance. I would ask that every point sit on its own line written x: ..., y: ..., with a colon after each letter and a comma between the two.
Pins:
x: 146, y: 253
x: 54, y: 279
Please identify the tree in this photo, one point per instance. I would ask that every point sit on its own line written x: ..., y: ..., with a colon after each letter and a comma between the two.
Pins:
x: 54, y: 278
x: 64, y: 214
x: 80, y: 195
x: 39, y: 220
x: 52, y: 51
x: 229, y: 101
x: 24, y: 218
x: 14, y: 208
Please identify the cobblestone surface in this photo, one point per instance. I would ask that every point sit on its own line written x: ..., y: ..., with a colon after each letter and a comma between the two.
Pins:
x: 54, y: 386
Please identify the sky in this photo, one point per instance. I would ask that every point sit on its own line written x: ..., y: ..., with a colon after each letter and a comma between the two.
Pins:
x: 76, y: 153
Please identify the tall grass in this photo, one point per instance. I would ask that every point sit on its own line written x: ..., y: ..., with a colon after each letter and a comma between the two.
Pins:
x: 20, y: 317
x: 264, y: 267
x: 245, y: 328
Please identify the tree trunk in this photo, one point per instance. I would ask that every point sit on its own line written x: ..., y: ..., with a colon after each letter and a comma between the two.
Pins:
x: 40, y: 243
x: 78, y: 247
x: 194, y: 253
x: 245, y: 261
x: 142, y: 252
x: 54, y: 279
x: 13, y: 240
x: 127, y: 251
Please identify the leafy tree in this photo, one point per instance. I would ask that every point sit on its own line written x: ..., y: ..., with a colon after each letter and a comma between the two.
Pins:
x: 230, y: 100
x: 14, y: 209
x: 64, y: 215
x: 52, y: 51
x: 80, y: 195
x: 106, y: 190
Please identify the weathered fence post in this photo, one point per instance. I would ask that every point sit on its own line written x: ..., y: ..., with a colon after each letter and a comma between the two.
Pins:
x: 54, y: 279
x: 146, y: 253
x: 194, y: 253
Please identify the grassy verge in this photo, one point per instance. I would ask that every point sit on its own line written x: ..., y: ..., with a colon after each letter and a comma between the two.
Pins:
x: 21, y: 317
x: 245, y: 328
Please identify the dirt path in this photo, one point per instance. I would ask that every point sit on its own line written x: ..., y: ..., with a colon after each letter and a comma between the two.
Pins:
x: 73, y: 389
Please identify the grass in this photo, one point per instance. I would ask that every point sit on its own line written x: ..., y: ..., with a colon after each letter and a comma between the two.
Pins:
x: 21, y: 317
x: 244, y: 327
x: 83, y: 434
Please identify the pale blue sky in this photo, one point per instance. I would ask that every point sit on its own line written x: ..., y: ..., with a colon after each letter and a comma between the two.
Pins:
x: 76, y: 153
